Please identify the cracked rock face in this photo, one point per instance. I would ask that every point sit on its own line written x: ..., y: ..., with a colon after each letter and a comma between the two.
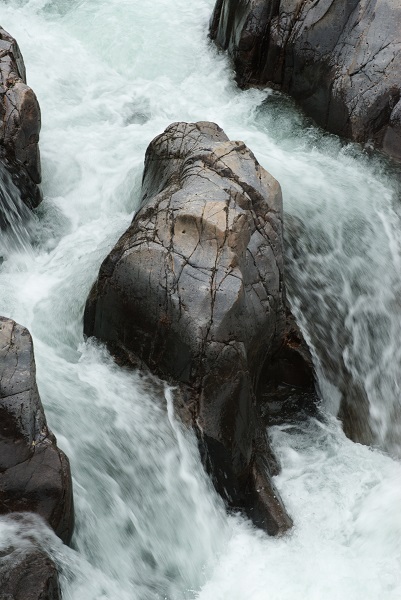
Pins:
x: 34, y: 474
x: 194, y: 290
x: 19, y: 123
x: 339, y: 60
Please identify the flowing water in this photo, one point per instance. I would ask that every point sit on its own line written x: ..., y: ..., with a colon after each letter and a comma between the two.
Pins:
x: 109, y: 76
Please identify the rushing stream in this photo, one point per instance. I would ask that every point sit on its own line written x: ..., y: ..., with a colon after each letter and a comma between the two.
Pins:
x: 109, y: 76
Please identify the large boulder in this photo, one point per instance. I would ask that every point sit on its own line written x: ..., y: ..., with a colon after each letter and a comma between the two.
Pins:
x: 339, y: 60
x: 19, y: 123
x: 194, y: 290
x: 34, y: 473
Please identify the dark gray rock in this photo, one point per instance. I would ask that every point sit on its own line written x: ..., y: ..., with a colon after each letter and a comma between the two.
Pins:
x: 339, y: 60
x: 28, y: 574
x: 34, y: 474
x: 194, y: 290
x: 286, y: 388
x: 19, y: 123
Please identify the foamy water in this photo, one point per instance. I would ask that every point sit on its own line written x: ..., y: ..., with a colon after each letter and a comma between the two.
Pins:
x: 109, y: 76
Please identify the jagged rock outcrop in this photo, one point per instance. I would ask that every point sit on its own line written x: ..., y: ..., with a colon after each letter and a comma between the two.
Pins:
x: 19, y: 123
x: 194, y: 290
x: 339, y: 60
x: 34, y: 473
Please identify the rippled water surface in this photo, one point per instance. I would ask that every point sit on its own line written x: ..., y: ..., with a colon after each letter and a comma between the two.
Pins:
x: 109, y: 76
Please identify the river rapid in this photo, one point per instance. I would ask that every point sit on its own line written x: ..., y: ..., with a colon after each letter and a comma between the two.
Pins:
x: 110, y: 75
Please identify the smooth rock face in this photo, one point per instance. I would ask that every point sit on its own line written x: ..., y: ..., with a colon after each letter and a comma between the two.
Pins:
x: 339, y: 60
x: 194, y: 290
x: 34, y: 474
x: 28, y: 575
x: 19, y: 123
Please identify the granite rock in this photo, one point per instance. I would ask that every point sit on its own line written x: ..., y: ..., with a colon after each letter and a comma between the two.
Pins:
x: 34, y: 473
x: 194, y: 290
x: 339, y: 60
x: 20, y: 123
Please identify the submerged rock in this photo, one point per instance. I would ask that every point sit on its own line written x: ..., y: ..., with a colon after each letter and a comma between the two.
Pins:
x: 328, y: 335
x: 34, y: 473
x: 19, y: 123
x: 339, y: 60
x: 28, y: 575
x: 194, y: 290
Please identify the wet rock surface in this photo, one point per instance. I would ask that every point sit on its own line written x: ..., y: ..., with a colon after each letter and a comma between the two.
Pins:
x: 194, y: 291
x: 339, y: 60
x: 28, y: 575
x: 34, y: 473
x: 20, y: 123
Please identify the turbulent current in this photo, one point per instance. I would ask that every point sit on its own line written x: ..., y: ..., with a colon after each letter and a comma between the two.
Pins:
x: 109, y: 76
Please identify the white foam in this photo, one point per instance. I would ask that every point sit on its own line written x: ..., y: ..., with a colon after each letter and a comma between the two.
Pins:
x: 110, y: 75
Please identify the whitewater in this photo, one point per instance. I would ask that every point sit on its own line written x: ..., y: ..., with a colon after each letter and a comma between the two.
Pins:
x: 110, y: 75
